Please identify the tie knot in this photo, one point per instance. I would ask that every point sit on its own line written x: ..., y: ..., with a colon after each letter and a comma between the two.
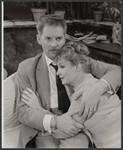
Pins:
x: 55, y: 67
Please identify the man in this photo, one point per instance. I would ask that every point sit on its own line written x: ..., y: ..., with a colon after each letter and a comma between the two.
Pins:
x: 39, y: 125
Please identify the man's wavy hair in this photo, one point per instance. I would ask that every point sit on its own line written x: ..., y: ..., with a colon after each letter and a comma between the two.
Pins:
x: 76, y: 53
x: 51, y: 20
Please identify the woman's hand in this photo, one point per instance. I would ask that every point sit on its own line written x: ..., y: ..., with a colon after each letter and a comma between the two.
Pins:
x: 30, y: 98
x: 90, y: 99
x: 68, y: 125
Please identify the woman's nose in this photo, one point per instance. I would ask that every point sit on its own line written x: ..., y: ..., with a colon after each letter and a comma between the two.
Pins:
x: 58, y: 72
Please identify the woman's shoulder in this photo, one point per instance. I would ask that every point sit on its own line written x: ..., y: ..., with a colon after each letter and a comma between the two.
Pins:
x: 88, y: 81
x: 10, y: 119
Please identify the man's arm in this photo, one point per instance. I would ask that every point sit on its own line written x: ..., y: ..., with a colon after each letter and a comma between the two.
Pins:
x: 25, y: 114
x: 111, y: 73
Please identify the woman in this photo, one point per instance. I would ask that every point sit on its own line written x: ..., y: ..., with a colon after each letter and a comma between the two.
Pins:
x: 105, y: 124
x: 74, y: 70
x: 11, y: 126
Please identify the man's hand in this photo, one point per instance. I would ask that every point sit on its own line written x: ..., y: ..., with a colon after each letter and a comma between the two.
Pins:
x: 90, y: 99
x: 68, y: 125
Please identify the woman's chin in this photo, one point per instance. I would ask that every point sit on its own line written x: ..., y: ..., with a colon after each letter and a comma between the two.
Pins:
x: 64, y: 83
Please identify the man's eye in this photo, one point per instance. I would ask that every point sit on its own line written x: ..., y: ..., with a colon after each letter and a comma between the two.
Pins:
x: 59, y: 38
x: 48, y: 38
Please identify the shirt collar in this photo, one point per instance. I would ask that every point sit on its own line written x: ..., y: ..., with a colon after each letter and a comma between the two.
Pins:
x: 48, y: 60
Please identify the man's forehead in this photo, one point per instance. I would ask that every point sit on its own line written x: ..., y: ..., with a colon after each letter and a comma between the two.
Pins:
x: 52, y: 27
x: 51, y: 33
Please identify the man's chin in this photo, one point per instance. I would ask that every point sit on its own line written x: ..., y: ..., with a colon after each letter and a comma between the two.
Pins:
x: 53, y: 57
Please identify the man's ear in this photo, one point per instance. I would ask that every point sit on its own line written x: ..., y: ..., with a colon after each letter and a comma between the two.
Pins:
x: 65, y: 37
x: 39, y: 39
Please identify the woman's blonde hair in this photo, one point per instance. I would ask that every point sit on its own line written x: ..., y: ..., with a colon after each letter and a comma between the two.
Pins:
x: 76, y: 53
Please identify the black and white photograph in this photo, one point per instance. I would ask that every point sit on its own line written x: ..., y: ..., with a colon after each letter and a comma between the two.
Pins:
x: 61, y: 74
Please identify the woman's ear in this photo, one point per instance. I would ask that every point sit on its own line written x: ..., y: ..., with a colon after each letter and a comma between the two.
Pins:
x: 39, y: 39
x: 78, y: 67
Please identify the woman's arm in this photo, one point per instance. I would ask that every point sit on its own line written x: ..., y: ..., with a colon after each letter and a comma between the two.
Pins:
x: 31, y: 99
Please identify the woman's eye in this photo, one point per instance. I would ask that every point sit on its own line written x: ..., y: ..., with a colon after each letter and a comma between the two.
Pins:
x: 62, y: 66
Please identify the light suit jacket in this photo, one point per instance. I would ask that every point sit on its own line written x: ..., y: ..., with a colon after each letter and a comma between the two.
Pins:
x: 33, y: 73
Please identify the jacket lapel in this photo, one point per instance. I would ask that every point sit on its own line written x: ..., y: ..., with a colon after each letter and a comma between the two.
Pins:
x: 43, y: 83
x: 31, y: 70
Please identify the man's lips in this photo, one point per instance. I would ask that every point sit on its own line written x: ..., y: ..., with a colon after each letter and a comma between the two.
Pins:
x: 54, y: 50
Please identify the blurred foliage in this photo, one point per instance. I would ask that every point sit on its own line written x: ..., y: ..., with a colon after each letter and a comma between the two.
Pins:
x: 60, y: 5
x: 99, y: 6
x: 19, y: 44
x: 112, y: 10
x: 39, y: 4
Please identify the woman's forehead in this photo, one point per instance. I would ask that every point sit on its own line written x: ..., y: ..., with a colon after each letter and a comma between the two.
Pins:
x: 60, y: 59
x: 63, y: 61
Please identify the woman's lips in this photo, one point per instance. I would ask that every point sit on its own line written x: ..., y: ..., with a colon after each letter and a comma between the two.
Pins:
x: 61, y: 78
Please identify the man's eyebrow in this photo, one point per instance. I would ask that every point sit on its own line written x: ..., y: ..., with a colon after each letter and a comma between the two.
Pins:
x: 47, y: 36
x: 59, y: 36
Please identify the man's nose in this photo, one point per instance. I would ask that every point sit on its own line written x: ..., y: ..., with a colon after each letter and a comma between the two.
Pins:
x: 54, y: 43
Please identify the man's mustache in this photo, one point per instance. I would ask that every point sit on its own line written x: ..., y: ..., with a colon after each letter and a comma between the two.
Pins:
x: 54, y: 50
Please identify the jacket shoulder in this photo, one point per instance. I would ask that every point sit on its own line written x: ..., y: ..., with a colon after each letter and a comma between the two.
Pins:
x: 30, y: 61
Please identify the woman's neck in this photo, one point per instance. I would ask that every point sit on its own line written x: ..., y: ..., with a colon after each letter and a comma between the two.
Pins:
x: 79, y: 79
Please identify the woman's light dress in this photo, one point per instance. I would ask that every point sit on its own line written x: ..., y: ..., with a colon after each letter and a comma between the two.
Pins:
x: 11, y: 126
x: 105, y: 124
